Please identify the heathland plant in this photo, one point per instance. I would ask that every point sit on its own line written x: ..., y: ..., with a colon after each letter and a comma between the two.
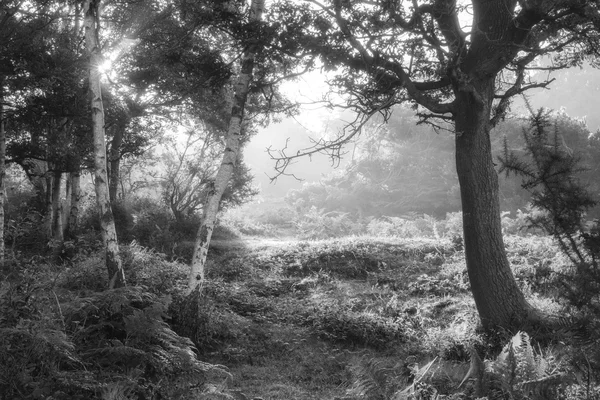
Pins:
x: 550, y: 172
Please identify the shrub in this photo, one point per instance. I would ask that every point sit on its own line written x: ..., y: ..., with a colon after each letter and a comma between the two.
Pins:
x: 453, y: 225
x: 35, y: 352
x: 243, y: 225
x: 317, y: 224
x: 339, y: 324
x: 143, y: 267
x: 148, y: 268
x: 124, y: 221
x: 516, y: 373
x: 122, y: 333
x: 550, y: 173
x: 208, y: 319
x: 156, y: 228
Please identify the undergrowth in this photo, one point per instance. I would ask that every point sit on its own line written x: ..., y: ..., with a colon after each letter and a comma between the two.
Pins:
x: 369, y: 318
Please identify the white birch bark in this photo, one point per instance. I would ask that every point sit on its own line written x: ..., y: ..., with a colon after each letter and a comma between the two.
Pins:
x: 114, y: 265
x: 230, y: 157
x: 2, y: 169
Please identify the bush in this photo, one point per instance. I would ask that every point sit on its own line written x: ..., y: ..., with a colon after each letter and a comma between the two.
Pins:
x: 550, y: 172
x: 316, y: 224
x: 124, y: 221
x: 114, y: 342
x: 415, y: 226
x: 34, y: 350
x: 122, y: 333
x: 156, y: 228
x: 208, y: 318
x: 243, y: 225
x: 339, y: 324
x: 143, y: 267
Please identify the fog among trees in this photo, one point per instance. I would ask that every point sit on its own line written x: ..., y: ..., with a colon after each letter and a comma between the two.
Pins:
x: 299, y: 199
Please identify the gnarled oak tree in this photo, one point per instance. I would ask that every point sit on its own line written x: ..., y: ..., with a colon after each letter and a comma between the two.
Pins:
x: 460, y: 63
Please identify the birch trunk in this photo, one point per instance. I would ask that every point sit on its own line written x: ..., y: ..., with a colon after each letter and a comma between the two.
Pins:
x: 2, y: 169
x: 230, y: 157
x: 114, y: 265
x: 115, y: 163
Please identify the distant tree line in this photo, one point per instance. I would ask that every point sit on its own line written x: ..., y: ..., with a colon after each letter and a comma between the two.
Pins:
x: 404, y: 169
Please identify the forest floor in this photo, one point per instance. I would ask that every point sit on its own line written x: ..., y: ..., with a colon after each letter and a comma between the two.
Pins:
x: 345, y: 318
x: 351, y: 317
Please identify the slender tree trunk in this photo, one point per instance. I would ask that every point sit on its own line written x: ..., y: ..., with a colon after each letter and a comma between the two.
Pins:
x: 75, y: 197
x: 499, y: 301
x: 57, y: 238
x: 57, y: 229
x: 230, y: 157
x: 2, y: 169
x: 66, y: 206
x: 115, y: 163
x: 109, y: 234
x: 48, y: 209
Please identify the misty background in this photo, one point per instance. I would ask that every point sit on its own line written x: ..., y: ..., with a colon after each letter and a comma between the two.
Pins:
x: 419, y: 175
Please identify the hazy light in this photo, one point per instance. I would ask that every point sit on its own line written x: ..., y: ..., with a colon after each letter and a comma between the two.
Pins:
x: 105, y: 67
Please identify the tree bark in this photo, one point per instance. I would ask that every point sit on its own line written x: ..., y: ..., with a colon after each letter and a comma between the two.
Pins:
x: 2, y: 169
x: 499, y: 301
x: 75, y: 197
x: 115, y: 163
x: 230, y: 158
x: 57, y: 229
x: 49, y: 179
x: 114, y: 265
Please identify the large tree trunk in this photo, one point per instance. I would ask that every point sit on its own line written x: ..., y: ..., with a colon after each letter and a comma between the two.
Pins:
x: 115, y: 163
x: 109, y: 234
x: 230, y: 158
x: 499, y: 301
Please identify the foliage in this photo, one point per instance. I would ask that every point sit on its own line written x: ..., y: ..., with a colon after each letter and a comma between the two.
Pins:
x: 35, y: 352
x: 144, y: 267
x: 518, y: 372
x: 156, y: 228
x: 123, y: 331
x: 260, y: 218
x: 341, y: 325
x: 397, y: 168
x: 550, y: 173
x: 86, y: 347
x: 317, y: 224
x: 190, y: 172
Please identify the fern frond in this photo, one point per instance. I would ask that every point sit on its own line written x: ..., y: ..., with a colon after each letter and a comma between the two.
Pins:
x: 371, y: 379
x: 543, y: 388
x: 526, y: 360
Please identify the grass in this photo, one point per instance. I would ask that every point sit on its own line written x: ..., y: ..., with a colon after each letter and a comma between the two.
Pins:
x: 316, y: 311
x: 343, y: 318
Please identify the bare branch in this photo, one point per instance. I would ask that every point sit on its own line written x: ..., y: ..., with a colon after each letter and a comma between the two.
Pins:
x: 332, y: 148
